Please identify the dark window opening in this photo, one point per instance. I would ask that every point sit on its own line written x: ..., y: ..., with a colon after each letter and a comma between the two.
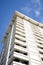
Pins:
x: 20, y: 39
x: 20, y: 35
x: 17, y: 60
x: 42, y: 59
x: 25, y: 62
x: 20, y: 45
x: 40, y: 47
x: 21, y: 61
x: 39, y: 42
x: 20, y: 52
x: 24, y: 46
x: 25, y: 53
x: 40, y: 52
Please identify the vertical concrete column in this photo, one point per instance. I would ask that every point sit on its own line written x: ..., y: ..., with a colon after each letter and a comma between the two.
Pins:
x: 9, y: 44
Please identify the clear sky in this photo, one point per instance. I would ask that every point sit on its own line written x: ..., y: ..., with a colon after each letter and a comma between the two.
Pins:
x: 31, y: 8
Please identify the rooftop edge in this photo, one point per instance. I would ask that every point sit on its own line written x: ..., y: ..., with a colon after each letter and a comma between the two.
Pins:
x: 23, y: 17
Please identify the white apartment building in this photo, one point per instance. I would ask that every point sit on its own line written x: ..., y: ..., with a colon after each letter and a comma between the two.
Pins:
x: 23, y: 42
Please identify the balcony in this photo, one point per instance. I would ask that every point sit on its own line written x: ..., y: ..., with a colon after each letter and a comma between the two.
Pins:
x: 20, y: 30
x: 38, y: 35
x: 41, y: 55
x: 36, y: 32
x: 21, y: 49
x: 19, y: 56
x: 41, y: 50
x: 41, y: 46
x: 20, y: 38
x: 39, y: 41
x: 19, y: 33
x: 38, y: 38
x: 20, y: 24
x: 20, y: 42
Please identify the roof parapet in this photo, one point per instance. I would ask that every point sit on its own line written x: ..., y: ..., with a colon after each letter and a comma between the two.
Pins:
x: 28, y: 19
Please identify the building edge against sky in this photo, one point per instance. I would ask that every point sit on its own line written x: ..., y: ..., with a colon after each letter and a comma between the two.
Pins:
x: 24, y: 17
x: 23, y: 42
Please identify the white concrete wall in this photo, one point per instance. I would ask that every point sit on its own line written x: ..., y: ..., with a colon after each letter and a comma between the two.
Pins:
x: 31, y: 44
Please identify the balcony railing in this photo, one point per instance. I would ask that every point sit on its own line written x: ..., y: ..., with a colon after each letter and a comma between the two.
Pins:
x: 41, y: 50
x: 20, y: 38
x: 20, y: 30
x: 19, y: 33
x: 20, y: 42
x: 41, y: 46
x: 19, y: 56
x: 24, y: 50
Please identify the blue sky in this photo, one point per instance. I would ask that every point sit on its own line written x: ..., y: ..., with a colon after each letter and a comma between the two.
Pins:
x: 31, y: 8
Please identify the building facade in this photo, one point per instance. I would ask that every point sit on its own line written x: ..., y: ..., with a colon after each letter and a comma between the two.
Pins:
x: 23, y: 42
